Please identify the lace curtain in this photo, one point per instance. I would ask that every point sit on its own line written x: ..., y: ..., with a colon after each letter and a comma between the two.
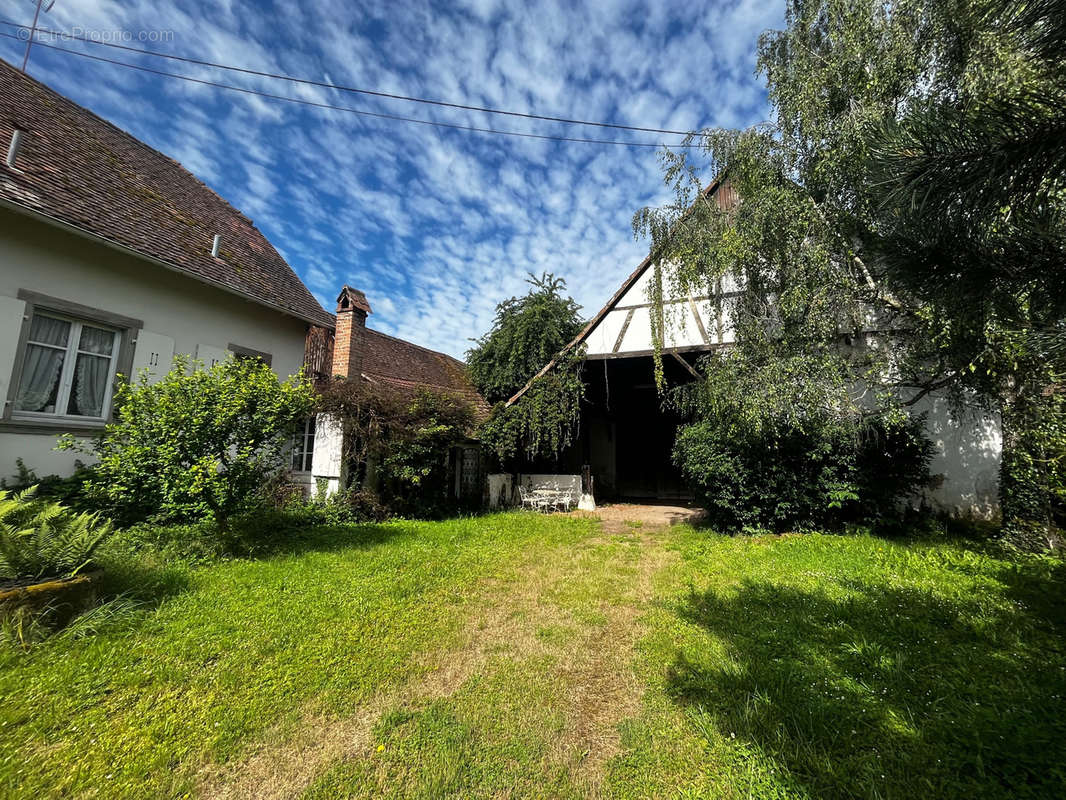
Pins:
x: 40, y: 373
x: 46, y: 352
x: 90, y: 372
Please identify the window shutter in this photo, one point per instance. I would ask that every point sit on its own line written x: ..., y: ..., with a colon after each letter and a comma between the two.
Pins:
x: 211, y: 355
x: 12, y: 311
x: 154, y: 352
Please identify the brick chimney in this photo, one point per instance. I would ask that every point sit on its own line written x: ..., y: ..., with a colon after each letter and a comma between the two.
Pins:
x: 349, y: 346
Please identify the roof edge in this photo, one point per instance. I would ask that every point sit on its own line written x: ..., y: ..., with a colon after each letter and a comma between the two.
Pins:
x: 55, y: 222
x: 423, y: 348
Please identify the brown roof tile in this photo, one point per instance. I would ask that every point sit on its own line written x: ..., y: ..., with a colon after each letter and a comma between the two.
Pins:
x: 83, y: 171
x: 409, y: 366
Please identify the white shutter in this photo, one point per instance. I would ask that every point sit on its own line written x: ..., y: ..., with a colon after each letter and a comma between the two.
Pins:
x: 153, y: 353
x: 211, y: 355
x: 12, y: 311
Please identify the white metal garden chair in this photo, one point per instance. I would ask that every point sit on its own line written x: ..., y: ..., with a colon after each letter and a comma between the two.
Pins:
x: 527, y: 498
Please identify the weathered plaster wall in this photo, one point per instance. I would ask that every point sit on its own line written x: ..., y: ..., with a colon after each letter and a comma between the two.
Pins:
x: 966, y: 462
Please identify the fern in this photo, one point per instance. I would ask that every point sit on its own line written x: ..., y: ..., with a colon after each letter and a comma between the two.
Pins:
x: 39, y: 538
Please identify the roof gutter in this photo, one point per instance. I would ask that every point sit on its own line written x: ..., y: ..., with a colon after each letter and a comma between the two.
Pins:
x: 121, y: 248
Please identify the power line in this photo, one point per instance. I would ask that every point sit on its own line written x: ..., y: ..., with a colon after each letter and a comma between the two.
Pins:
x: 351, y: 89
x: 347, y: 109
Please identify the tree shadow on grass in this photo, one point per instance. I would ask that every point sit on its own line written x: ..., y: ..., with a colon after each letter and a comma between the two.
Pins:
x: 886, y: 691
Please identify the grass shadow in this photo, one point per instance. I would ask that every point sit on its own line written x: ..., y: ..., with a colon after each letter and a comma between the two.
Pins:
x: 887, y: 691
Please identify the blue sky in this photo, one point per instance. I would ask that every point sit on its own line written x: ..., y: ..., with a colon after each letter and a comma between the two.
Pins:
x: 436, y: 226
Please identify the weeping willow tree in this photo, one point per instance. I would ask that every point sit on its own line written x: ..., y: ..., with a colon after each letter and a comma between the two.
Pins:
x: 528, y: 333
x: 865, y: 216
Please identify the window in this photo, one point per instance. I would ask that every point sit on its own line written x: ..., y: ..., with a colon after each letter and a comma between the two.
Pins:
x: 303, y: 447
x: 242, y: 353
x: 68, y: 368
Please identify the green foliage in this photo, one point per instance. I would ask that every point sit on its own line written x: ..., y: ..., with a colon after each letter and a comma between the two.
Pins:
x: 528, y: 333
x: 969, y: 214
x: 525, y: 335
x: 1033, y: 471
x: 397, y: 444
x: 907, y: 199
x: 798, y: 455
x: 969, y: 194
x: 544, y: 420
x: 416, y: 457
x: 200, y: 442
x: 71, y: 491
x: 39, y: 538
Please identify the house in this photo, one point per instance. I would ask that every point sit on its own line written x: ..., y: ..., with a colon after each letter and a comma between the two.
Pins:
x: 358, y: 353
x: 627, y: 436
x: 114, y: 258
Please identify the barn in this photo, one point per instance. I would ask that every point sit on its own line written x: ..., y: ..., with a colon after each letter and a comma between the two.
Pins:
x: 626, y: 435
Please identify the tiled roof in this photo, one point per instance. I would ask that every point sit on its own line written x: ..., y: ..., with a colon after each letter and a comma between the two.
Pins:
x: 83, y: 171
x: 407, y: 366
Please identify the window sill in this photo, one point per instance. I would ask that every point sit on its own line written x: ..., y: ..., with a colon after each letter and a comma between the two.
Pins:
x: 50, y: 427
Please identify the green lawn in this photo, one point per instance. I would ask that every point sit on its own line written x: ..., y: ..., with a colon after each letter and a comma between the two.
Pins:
x: 525, y: 656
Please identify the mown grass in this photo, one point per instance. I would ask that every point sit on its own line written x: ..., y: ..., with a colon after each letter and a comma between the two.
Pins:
x: 576, y: 662
x: 234, y: 648
x: 827, y: 666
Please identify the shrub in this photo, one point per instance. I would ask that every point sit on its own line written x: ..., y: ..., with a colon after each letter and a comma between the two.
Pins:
x: 783, y: 473
x: 71, y: 491
x: 39, y: 538
x: 781, y: 441
x: 197, y: 444
x: 397, y: 443
x: 892, y: 461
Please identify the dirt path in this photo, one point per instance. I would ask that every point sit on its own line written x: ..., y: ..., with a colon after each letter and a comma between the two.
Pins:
x: 608, y: 577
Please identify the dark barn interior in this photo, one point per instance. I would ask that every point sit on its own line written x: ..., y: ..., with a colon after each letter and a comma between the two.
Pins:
x: 626, y: 434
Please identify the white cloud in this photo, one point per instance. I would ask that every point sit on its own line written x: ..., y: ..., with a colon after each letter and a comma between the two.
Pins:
x: 436, y: 226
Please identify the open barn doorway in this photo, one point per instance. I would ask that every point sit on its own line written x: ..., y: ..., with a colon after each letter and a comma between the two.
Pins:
x: 627, y: 436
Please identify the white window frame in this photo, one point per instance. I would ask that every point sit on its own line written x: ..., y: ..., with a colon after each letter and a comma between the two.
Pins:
x: 66, y: 376
x: 306, y: 455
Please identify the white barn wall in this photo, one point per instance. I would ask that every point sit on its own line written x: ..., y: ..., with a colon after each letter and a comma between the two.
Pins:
x: 967, y: 458
x: 175, y: 308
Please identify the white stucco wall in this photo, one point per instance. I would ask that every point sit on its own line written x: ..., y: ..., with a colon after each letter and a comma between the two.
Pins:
x: 327, y: 461
x: 965, y: 465
x: 180, y: 315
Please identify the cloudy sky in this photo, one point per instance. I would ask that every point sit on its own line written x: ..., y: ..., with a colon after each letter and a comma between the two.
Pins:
x: 435, y: 225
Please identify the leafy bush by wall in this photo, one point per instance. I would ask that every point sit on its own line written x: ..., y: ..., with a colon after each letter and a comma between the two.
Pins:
x: 397, y: 445
x: 782, y: 476
x: 199, y: 443
x: 71, y: 491
x: 787, y: 447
